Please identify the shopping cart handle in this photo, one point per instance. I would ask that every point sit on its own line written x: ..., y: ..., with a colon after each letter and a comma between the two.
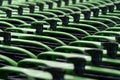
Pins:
x: 9, y: 1
x: 96, y: 55
x: 117, y: 5
x: 86, y: 13
x: 76, y: 17
x: 20, y: 9
x: 6, y: 37
x: 40, y: 5
x: 65, y: 19
x: 111, y: 8
x: 74, y: 1
x: 104, y: 10
x: 52, y: 22
x: 58, y: 2
x: 32, y: 8
x: 50, y: 4
x: 57, y: 73
x: 112, y: 48
x: 95, y: 11
x: 79, y: 65
x: 66, y: 2
x: 38, y: 26
x: 118, y: 39
x: 7, y: 10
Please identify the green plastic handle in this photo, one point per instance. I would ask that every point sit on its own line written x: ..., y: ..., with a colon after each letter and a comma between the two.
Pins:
x: 56, y: 55
x: 29, y: 73
x: 83, y: 43
x: 8, y: 60
x: 37, y: 38
x: 100, y: 38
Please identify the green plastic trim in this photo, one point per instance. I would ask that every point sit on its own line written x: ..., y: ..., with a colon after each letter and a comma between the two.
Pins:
x: 55, y: 55
x: 101, y: 38
x: 103, y: 71
x: 24, y: 17
x: 76, y: 30
x: 21, y: 50
x: 104, y: 20
x: 100, y: 46
x: 35, y: 15
x: 79, y: 50
x: 39, y: 62
x: 8, y: 60
x: 46, y: 13
x: 38, y: 37
x: 114, y: 14
x: 83, y: 6
x: 7, y: 24
x: 59, y: 28
x: 112, y: 62
x: 83, y: 26
x: 60, y: 33
x: 45, y: 32
x: 70, y: 49
x: 29, y: 73
x: 115, y: 29
x: 108, y: 33
x: 113, y: 18
x: 69, y: 7
x: 55, y: 11
x: 64, y: 9
x: 19, y: 41
x: 92, y: 22
x: 83, y: 43
x: 12, y: 20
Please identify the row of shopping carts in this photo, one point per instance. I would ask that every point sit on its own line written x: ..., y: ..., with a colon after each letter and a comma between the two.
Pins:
x: 59, y: 39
